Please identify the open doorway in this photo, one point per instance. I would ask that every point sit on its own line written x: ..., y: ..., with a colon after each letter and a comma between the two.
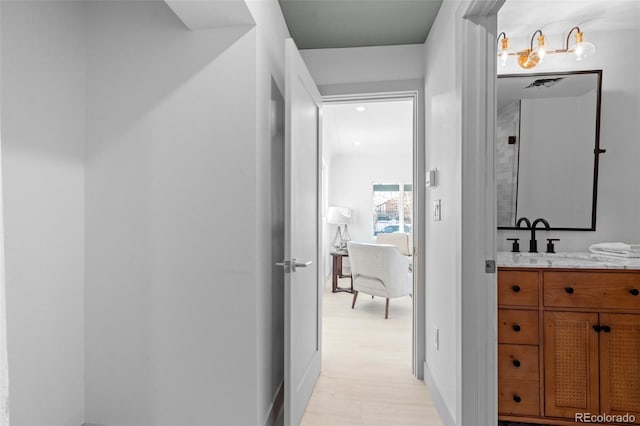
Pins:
x: 368, y: 197
x: 367, y: 182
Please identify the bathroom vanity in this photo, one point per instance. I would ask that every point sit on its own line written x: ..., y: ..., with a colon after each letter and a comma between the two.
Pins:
x: 568, y: 338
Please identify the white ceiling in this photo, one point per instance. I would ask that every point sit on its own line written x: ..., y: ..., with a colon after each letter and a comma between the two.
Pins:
x: 320, y: 24
x: 382, y: 128
x: 521, y: 18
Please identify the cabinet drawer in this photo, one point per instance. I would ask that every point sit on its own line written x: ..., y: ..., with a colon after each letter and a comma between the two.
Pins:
x: 518, y: 362
x: 592, y: 290
x: 519, y: 397
x: 518, y: 288
x: 516, y: 326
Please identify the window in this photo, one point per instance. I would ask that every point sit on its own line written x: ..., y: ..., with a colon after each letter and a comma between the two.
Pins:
x: 392, y: 208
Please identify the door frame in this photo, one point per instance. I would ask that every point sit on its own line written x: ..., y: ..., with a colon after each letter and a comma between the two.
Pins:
x: 419, y: 304
x: 478, y: 387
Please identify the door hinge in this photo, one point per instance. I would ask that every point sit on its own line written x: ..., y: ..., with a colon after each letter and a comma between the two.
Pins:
x: 490, y: 266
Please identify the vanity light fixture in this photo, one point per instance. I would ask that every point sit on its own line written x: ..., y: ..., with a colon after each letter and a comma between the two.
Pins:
x: 531, y: 57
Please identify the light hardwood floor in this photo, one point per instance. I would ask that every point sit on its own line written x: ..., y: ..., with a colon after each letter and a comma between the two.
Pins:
x: 366, y: 367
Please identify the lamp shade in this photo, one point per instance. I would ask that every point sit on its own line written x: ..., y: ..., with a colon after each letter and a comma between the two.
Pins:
x: 338, y: 215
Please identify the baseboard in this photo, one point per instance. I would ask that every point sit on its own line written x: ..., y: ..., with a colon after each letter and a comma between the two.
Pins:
x: 276, y: 406
x: 272, y: 414
x: 438, y: 401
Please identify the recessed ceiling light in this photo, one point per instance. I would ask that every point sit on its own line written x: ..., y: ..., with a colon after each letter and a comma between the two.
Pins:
x: 360, y: 108
x: 357, y: 143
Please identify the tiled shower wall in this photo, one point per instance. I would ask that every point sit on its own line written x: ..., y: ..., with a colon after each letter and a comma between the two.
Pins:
x: 508, y: 124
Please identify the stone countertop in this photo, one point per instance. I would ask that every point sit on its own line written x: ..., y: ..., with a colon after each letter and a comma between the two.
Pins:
x: 566, y: 260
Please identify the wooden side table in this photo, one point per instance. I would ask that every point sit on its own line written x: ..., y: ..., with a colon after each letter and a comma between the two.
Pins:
x: 337, y: 273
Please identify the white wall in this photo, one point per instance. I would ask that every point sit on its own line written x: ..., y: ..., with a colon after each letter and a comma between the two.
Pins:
x: 618, y: 192
x: 365, y: 64
x: 443, y: 152
x: 171, y: 197
x: 179, y: 328
x: 43, y: 173
x: 351, y: 185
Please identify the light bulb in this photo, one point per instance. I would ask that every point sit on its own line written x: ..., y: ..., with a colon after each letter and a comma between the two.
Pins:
x: 583, y: 49
x: 542, y: 50
x: 504, y: 52
x: 503, y: 56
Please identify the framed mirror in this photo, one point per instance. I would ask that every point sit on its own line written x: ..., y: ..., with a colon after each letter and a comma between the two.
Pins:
x: 547, y: 148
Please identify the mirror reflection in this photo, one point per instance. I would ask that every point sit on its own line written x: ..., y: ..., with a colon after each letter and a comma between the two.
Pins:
x: 547, y: 148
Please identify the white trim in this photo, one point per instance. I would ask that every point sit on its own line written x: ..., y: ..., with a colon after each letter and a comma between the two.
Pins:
x: 437, y: 399
x: 367, y: 91
x: 4, y: 359
x: 483, y: 8
x: 478, y: 313
x: 98, y: 424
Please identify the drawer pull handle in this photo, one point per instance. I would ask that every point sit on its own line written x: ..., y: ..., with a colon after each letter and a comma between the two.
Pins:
x: 517, y: 398
x: 569, y: 290
x: 597, y: 328
x: 606, y: 328
x: 516, y: 363
x: 634, y: 292
x: 516, y: 327
x: 516, y: 288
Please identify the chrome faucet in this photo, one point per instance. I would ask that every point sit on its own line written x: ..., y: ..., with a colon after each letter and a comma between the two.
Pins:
x: 533, y: 243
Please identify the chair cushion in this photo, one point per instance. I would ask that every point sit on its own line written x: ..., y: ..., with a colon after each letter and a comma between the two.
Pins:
x: 379, y: 269
x: 398, y: 239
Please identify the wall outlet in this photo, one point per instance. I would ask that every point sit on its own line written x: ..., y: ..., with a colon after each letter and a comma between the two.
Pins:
x: 436, y: 338
x: 437, y: 210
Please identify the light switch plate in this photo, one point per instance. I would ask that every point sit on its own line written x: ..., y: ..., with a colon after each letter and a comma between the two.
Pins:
x: 437, y: 210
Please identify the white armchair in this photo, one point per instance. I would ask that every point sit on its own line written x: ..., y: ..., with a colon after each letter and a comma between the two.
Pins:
x: 379, y: 270
x: 398, y: 239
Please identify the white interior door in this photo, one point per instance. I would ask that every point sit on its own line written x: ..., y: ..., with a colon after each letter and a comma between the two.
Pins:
x: 302, y: 236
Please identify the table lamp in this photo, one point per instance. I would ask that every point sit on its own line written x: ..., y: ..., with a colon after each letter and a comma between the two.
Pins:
x: 340, y: 216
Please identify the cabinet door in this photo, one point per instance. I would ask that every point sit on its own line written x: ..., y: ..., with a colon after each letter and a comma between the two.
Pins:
x: 620, y: 364
x: 571, y: 363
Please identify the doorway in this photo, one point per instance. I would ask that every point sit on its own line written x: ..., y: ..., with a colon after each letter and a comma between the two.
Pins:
x: 369, y: 174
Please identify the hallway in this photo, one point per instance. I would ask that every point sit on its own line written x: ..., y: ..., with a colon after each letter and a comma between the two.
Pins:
x: 366, y: 367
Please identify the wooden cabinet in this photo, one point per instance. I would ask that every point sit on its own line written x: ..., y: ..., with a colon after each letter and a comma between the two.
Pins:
x: 518, y: 326
x: 573, y: 336
x: 620, y: 364
x: 571, y: 364
x: 518, y: 343
x: 518, y: 288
